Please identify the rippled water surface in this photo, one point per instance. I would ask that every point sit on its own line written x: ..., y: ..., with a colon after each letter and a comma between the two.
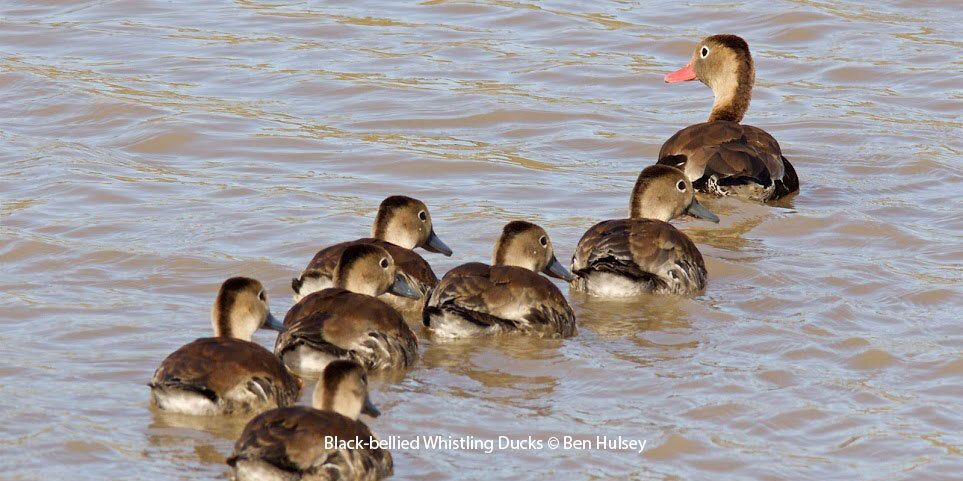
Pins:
x: 151, y: 149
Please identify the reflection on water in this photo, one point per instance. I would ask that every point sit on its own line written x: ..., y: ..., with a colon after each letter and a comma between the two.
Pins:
x: 152, y: 149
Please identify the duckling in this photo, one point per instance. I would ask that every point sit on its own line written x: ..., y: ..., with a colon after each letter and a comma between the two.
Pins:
x: 303, y: 443
x: 507, y: 296
x: 722, y: 156
x: 227, y: 374
x: 349, y: 321
x: 402, y: 223
x: 628, y: 257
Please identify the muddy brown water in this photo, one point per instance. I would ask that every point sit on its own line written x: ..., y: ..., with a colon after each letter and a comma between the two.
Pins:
x: 151, y: 149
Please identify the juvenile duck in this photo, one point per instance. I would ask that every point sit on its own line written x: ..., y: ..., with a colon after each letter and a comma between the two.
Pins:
x: 627, y: 257
x: 508, y: 295
x: 348, y: 321
x: 227, y: 374
x: 722, y: 156
x: 402, y: 223
x: 292, y: 443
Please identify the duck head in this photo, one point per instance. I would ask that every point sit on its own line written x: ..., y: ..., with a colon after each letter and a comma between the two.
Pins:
x: 343, y: 388
x: 406, y: 222
x: 369, y: 269
x: 241, y: 307
x: 663, y: 192
x: 527, y: 245
x: 724, y: 64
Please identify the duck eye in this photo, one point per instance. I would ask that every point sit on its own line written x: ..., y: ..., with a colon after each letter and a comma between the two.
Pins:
x: 544, y: 241
x: 705, y: 51
x: 262, y: 296
x: 680, y: 186
x: 384, y: 262
x: 423, y: 216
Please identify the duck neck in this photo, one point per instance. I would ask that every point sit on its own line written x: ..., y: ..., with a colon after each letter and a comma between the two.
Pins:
x: 390, y: 229
x: 328, y: 397
x: 733, y: 91
x: 225, y: 325
x: 505, y: 256
x: 641, y: 212
x: 344, y: 279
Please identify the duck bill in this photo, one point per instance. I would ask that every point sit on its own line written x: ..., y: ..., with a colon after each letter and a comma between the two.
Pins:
x: 402, y: 288
x: 698, y: 210
x: 684, y: 74
x: 434, y: 244
x: 369, y: 408
x: 557, y: 270
x: 273, y: 323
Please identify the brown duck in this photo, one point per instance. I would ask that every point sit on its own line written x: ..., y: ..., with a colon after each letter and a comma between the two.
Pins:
x: 644, y: 253
x: 507, y: 296
x: 227, y: 374
x: 402, y: 223
x: 349, y: 320
x: 723, y: 156
x: 301, y: 443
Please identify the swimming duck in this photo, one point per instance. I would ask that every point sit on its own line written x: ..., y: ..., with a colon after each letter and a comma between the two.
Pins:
x: 227, y: 374
x: 722, y: 156
x: 508, y: 295
x: 301, y: 443
x: 348, y: 321
x: 628, y: 257
x: 402, y: 223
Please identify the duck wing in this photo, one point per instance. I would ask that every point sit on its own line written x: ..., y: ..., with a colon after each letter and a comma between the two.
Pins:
x: 644, y: 250
x: 733, y: 153
x: 293, y: 439
x: 506, y: 296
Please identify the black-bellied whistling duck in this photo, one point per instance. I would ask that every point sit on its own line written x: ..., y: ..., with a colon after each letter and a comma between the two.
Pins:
x: 325, y: 441
x: 349, y: 320
x: 509, y: 296
x: 723, y: 156
x: 227, y: 374
x: 401, y: 225
x: 644, y: 253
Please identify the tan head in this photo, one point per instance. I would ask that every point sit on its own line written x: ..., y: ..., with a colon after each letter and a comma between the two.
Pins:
x: 527, y: 245
x: 241, y: 308
x: 722, y: 62
x: 369, y: 269
x: 663, y: 193
x: 406, y: 222
x: 343, y: 388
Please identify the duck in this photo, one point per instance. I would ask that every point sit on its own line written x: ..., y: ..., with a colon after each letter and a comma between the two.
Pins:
x: 644, y: 253
x: 402, y: 224
x: 722, y: 156
x: 349, y: 320
x: 308, y: 443
x: 507, y: 296
x: 227, y: 374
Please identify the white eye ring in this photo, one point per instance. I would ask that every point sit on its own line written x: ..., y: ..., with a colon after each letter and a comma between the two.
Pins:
x: 680, y: 186
x: 705, y: 51
x: 384, y: 262
x: 544, y: 241
x: 262, y: 296
x: 423, y: 216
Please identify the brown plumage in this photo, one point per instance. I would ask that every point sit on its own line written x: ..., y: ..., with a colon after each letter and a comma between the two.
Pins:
x: 644, y: 253
x: 347, y: 321
x: 299, y: 443
x: 411, y: 266
x: 402, y: 224
x: 722, y: 156
x: 508, y: 296
x: 227, y: 374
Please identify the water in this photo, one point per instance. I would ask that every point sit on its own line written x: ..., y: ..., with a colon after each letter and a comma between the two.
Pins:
x: 152, y: 149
